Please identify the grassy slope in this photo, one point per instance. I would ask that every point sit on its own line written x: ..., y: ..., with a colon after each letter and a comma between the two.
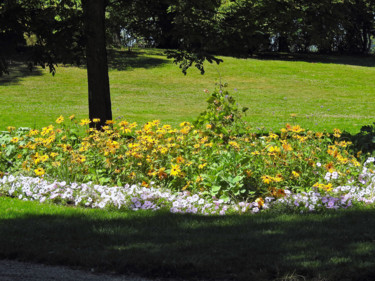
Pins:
x: 325, y: 92
x: 335, y: 246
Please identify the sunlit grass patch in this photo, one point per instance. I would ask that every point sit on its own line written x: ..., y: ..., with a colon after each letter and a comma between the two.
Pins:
x: 328, y: 94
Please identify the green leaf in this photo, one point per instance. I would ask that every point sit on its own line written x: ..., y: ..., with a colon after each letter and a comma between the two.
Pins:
x: 225, y: 197
x: 216, y: 188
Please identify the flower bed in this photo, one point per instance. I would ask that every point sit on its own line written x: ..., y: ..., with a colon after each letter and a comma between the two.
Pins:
x: 136, y: 197
x: 197, y: 160
x: 216, y: 157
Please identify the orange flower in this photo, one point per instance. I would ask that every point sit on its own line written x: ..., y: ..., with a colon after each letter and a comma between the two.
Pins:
x: 180, y: 159
x: 329, y: 166
x: 287, y: 147
x: 260, y: 201
x: 162, y: 174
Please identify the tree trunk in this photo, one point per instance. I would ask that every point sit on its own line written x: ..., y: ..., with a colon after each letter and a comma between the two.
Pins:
x: 97, y: 65
x: 283, y: 44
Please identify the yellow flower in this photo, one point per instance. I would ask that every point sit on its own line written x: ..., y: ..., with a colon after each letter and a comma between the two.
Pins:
x: 234, y: 144
x: 56, y: 164
x: 337, y: 133
x: 167, y: 127
x: 208, y: 126
x: 163, y: 150
x: 201, y: 166
x: 273, y: 136
x: 198, y: 179
x: 293, y: 115
x: 249, y: 173
x: 295, y: 174
x: 109, y: 122
x: 71, y: 117
x: 33, y: 132
x: 39, y: 171
x: 185, y: 130
x: 60, y: 119
x: 123, y: 123
x: 184, y: 124
x: 125, y: 130
x: 326, y: 187
x: 355, y: 162
x: 81, y: 158
x: 278, y: 178
x: 15, y: 140
x: 155, y: 122
x: 11, y: 128
x: 274, y: 149
x: 297, y: 129
x: 85, y: 122
x: 342, y: 159
x: 187, y: 185
x: 96, y: 120
x: 175, y: 171
x: 44, y: 158
x: 319, y: 135
x: 267, y: 179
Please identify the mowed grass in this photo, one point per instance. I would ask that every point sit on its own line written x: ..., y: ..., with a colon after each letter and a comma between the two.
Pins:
x: 338, y: 245
x: 324, y: 92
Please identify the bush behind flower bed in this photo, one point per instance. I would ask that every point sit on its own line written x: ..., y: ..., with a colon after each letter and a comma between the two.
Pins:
x: 217, y: 156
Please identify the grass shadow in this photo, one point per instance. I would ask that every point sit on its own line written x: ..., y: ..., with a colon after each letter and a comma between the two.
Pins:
x: 365, y: 60
x: 17, y: 71
x: 336, y: 246
x: 124, y: 60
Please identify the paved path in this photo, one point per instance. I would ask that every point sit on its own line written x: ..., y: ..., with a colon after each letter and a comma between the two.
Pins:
x: 23, y: 271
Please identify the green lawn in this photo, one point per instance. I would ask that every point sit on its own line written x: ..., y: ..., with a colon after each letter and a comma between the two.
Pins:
x: 324, y: 92
x: 338, y: 245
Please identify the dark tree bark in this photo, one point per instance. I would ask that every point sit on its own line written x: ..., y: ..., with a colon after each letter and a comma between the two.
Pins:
x: 97, y: 66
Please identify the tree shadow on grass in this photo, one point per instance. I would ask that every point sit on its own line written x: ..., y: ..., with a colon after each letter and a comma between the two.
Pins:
x: 123, y: 60
x: 367, y: 61
x: 18, y: 70
x: 117, y: 60
x: 362, y: 142
x: 337, y: 246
